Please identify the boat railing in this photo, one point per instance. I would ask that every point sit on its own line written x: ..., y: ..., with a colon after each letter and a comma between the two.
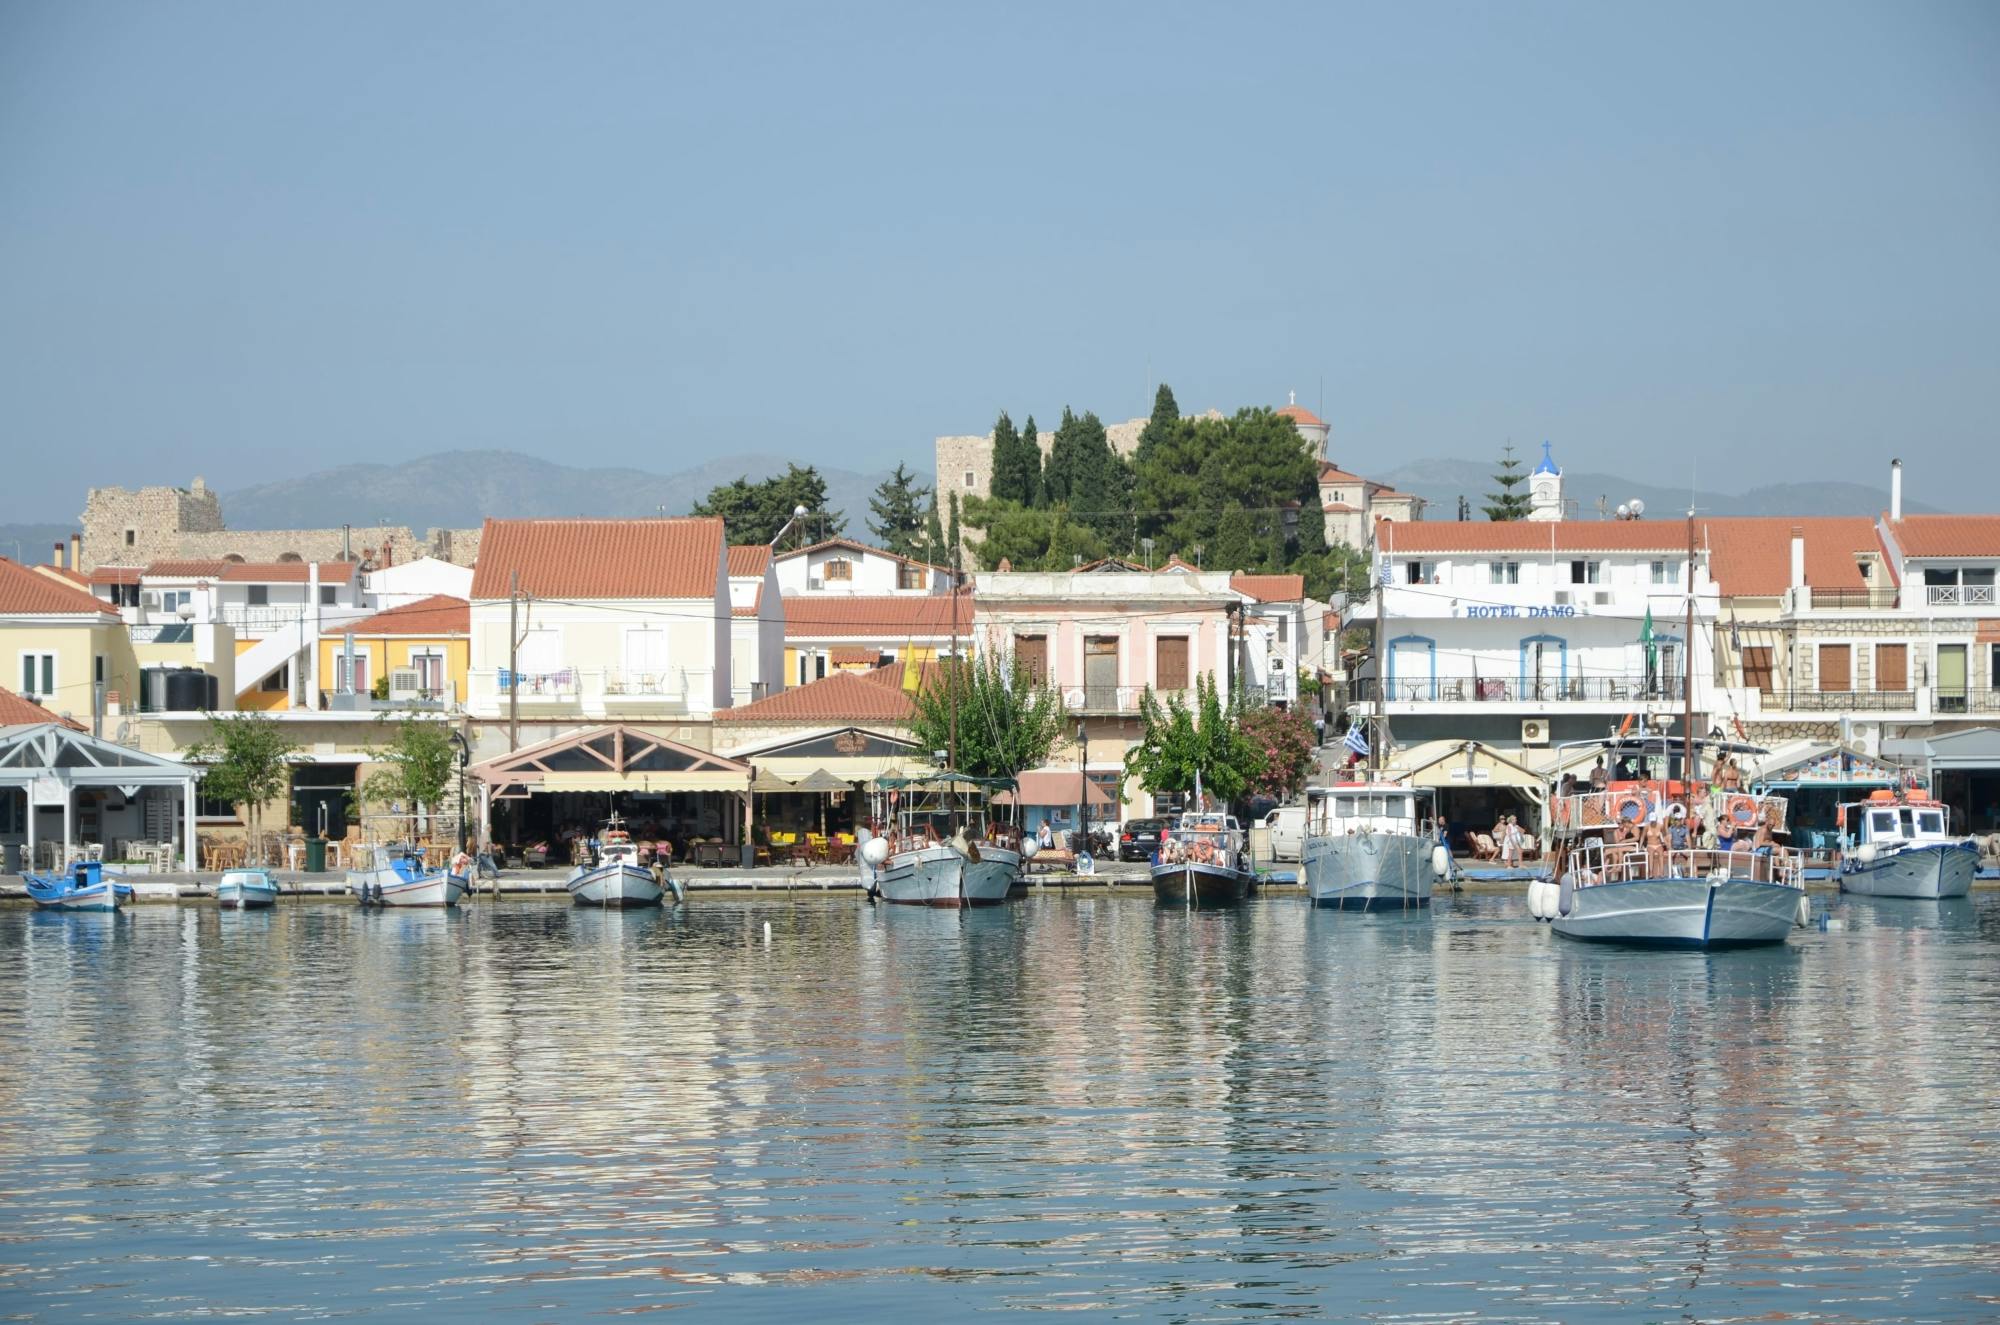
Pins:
x: 1618, y: 862
x: 1597, y: 811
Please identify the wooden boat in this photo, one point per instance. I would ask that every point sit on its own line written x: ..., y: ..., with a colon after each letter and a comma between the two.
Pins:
x: 1901, y: 847
x: 398, y: 878
x: 1202, y: 863
x: 1371, y: 846
x: 614, y: 876
x: 247, y: 889
x: 83, y: 886
x: 943, y: 849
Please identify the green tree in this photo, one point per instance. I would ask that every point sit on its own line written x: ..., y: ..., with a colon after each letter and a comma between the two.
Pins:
x: 755, y: 512
x: 1006, y: 723
x: 934, y: 536
x: 1029, y: 539
x: 1017, y: 463
x: 897, y: 509
x: 1509, y: 503
x: 1183, y: 742
x: 1285, y: 743
x: 953, y: 537
x: 247, y: 757
x: 1031, y: 465
x: 1086, y: 475
x: 418, y: 763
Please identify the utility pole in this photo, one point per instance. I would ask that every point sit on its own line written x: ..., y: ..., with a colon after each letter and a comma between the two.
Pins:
x: 1377, y: 727
x: 514, y: 662
x: 1687, y: 694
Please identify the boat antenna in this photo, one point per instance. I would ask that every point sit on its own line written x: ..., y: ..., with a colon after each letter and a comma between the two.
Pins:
x: 952, y: 696
x: 1687, y: 692
x: 1379, y: 731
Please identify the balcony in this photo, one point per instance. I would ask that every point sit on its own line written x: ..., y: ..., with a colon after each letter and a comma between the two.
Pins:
x: 261, y: 620
x: 1803, y: 600
x: 1844, y: 701
x: 665, y: 688
x: 1549, y: 692
x: 1959, y: 595
x: 1112, y: 701
x: 591, y: 691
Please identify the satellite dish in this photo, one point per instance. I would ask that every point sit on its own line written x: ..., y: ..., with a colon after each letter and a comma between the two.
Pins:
x: 1638, y: 508
x: 1624, y: 510
x: 1073, y: 699
x: 798, y: 512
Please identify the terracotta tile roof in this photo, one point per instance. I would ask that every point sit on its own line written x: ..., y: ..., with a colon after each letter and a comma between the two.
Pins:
x: 1400, y: 538
x: 1947, y: 535
x: 65, y: 575
x: 1751, y: 556
x: 285, y: 572
x: 1174, y: 563
x: 1300, y: 414
x: 440, y: 614
x: 184, y: 570
x: 1111, y: 564
x: 748, y: 559
x: 1390, y: 494
x: 876, y: 616
x: 838, y: 697
x: 1332, y: 473
x: 116, y: 574
x: 588, y: 559
x: 17, y: 711
x: 847, y: 655
x: 853, y: 546
x: 29, y: 592
x: 750, y: 610
x: 1270, y: 588
x: 1338, y: 506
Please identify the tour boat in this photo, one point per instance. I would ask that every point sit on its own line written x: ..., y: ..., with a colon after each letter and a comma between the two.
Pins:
x: 1608, y: 886
x: 1371, y: 846
x: 942, y: 850
x: 1201, y: 862
x: 247, y: 889
x: 84, y: 886
x: 1894, y: 847
x: 615, y: 877
x: 400, y: 879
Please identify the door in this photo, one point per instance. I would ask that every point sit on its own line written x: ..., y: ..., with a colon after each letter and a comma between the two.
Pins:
x: 645, y: 661
x: 1100, y: 669
x: 1892, y: 667
x: 1757, y: 667
x: 1031, y: 656
x: 1170, y: 663
x: 1951, y: 678
x: 1836, y: 672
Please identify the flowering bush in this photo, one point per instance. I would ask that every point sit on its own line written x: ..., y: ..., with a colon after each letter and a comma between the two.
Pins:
x: 1283, y: 740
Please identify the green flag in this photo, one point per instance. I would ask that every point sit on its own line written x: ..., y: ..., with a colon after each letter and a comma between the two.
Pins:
x: 1652, y: 649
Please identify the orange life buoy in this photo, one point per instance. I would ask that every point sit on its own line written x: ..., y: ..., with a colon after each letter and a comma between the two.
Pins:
x: 1741, y: 809
x: 1632, y: 806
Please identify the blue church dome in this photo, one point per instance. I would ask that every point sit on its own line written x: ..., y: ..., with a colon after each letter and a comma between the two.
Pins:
x: 1548, y: 465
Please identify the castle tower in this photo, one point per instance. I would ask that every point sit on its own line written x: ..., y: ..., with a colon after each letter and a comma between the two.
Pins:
x: 1545, y: 489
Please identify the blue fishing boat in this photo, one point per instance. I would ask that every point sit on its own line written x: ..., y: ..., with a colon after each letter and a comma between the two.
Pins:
x: 247, y: 889
x: 83, y: 887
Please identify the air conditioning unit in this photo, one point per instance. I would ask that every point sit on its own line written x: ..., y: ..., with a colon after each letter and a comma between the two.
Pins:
x: 1534, y: 731
x: 1073, y: 699
x: 1603, y: 598
x: 1562, y: 598
x: 405, y: 683
x: 815, y: 583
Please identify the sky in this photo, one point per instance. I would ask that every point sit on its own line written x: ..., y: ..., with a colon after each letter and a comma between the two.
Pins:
x: 1744, y: 243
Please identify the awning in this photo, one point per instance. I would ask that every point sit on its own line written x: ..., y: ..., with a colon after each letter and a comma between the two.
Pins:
x: 821, y: 782
x: 768, y: 781
x: 1463, y: 765
x: 616, y: 758
x: 1052, y: 787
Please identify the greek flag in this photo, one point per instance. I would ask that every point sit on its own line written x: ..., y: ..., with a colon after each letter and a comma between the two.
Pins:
x: 1356, y: 740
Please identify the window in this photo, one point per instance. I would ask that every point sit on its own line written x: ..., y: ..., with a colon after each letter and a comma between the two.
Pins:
x: 214, y: 807
x: 1757, y: 668
x: 1836, y: 668
x: 329, y: 595
x: 838, y: 569
x: 1031, y: 656
x: 429, y: 667
x: 1930, y: 821
x: 353, y: 673
x: 1993, y: 668
x: 1170, y: 662
x: 38, y: 676
x: 970, y: 478
x: 131, y: 537
x: 909, y: 577
x: 1892, y: 667
x: 97, y: 669
x: 819, y: 667
x: 1420, y: 572
x: 1503, y: 572
x: 1284, y: 630
x: 278, y: 682
x: 260, y: 595
x: 1660, y: 575
x: 1586, y: 572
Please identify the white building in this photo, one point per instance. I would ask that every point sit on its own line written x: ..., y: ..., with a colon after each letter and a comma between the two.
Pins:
x: 842, y: 566
x: 757, y: 625
x: 413, y: 581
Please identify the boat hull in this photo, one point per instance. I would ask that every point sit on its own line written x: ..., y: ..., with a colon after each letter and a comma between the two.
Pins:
x: 389, y: 888
x: 1928, y: 872
x: 615, y: 886
x: 939, y: 876
x: 246, y: 890
x: 92, y: 897
x: 1679, y: 913
x: 1369, y: 871
x: 1199, y: 885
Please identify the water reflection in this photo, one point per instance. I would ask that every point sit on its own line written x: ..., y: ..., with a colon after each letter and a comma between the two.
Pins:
x: 1083, y: 1103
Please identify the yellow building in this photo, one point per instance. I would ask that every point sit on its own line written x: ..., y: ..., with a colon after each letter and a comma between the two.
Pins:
x: 58, y: 644
x: 422, y: 650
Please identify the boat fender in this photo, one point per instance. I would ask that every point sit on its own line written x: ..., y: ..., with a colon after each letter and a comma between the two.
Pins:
x: 1564, y: 897
x: 1866, y: 853
x: 1805, y: 911
x: 875, y: 851
x: 1441, y: 862
x: 1535, y: 898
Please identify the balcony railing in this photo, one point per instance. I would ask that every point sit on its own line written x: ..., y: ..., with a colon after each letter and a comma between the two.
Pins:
x: 591, y: 689
x: 260, y: 620
x: 1512, y: 690
x: 1845, y: 701
x: 1115, y: 699
x: 1959, y: 595
x: 1854, y: 599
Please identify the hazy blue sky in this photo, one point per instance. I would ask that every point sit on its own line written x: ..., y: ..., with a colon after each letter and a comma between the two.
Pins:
x: 252, y: 240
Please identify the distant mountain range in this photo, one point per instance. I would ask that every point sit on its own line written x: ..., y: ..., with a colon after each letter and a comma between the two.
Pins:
x: 457, y: 489
x: 1442, y: 482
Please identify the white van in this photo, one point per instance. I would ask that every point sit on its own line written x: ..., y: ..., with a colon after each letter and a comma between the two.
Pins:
x: 1287, y: 825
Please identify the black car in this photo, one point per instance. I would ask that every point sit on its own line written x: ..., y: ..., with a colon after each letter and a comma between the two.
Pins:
x: 1139, y: 838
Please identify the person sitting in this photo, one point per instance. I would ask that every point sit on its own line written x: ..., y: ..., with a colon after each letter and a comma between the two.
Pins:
x: 1762, y: 846
x: 1599, y: 779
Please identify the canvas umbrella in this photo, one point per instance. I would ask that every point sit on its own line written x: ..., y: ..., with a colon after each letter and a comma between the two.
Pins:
x: 823, y: 784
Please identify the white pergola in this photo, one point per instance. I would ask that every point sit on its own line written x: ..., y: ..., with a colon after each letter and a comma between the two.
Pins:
x: 49, y: 762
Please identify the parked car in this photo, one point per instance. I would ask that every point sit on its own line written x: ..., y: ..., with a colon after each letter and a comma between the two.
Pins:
x: 1288, y: 831
x: 1139, y: 838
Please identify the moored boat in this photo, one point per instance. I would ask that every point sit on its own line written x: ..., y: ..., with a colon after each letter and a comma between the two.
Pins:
x: 1201, y: 862
x: 247, y: 889
x: 1903, y: 847
x: 398, y: 878
x: 1370, y: 846
x: 943, y: 849
x: 614, y: 877
x: 83, y: 886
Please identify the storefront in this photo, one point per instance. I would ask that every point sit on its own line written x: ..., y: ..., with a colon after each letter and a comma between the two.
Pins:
x: 1475, y: 784
x: 1815, y: 779
x: 1963, y: 769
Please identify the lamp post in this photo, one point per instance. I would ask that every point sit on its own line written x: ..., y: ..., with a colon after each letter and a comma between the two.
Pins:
x: 464, y: 751
x: 1147, y: 543
x: 1083, y: 785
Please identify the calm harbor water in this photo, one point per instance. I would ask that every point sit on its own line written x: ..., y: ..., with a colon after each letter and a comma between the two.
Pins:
x: 521, y: 1111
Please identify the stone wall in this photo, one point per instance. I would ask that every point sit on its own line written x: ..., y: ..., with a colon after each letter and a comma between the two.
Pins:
x: 127, y: 527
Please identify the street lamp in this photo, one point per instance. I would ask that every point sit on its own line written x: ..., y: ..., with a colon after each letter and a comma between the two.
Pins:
x: 1147, y: 543
x: 1083, y: 785
x: 464, y: 750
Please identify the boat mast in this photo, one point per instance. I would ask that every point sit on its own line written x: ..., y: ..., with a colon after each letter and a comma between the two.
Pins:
x: 1378, y: 729
x: 1687, y: 693
x: 951, y: 693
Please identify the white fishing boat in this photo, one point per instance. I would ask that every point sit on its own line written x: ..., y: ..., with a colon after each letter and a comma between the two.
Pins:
x: 83, y: 886
x: 248, y: 889
x: 1202, y: 862
x: 398, y: 878
x: 1893, y: 847
x: 614, y: 877
x: 1625, y: 863
x: 1371, y: 846
x: 943, y: 848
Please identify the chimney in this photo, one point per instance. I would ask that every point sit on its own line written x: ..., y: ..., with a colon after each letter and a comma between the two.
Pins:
x: 1895, y: 489
x: 1798, y: 557
x: 76, y: 551
x: 56, y: 559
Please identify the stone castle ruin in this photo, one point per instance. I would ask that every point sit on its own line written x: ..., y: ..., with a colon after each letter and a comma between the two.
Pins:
x: 128, y: 527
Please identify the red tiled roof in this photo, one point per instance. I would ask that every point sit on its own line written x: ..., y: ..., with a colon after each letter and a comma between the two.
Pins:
x: 853, y: 546
x: 66, y: 575
x: 18, y: 711
x: 1751, y: 556
x: 29, y: 592
x: 1332, y: 473
x: 285, y: 572
x: 1341, y: 507
x: 1270, y: 588
x: 1947, y: 535
x: 750, y: 610
x: 837, y: 697
x: 659, y: 558
x: 748, y: 559
x: 116, y: 574
x: 440, y: 614
x: 1401, y: 537
x: 184, y: 570
x: 876, y: 616
x: 1174, y: 563
x: 1300, y: 414
x: 848, y: 655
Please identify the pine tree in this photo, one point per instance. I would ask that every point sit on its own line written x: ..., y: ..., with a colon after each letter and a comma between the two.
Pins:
x: 755, y: 512
x: 1086, y: 475
x: 1016, y: 470
x: 1508, y: 503
x: 898, y: 512
x: 951, y: 533
x: 934, y: 536
x: 1031, y: 465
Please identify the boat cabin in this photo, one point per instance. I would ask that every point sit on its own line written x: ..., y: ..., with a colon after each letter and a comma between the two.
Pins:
x: 1367, y: 807
x: 917, y: 811
x: 1885, y: 821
